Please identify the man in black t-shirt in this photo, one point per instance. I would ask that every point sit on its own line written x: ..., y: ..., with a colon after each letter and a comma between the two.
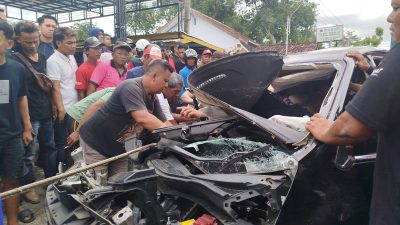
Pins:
x: 131, y: 108
x: 26, y: 46
x: 179, y: 56
x: 15, y: 127
x: 374, y: 110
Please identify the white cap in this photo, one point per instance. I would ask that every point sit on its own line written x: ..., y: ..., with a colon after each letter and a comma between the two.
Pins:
x: 141, y: 44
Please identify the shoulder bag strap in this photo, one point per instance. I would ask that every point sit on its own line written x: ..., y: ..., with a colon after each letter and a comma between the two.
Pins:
x: 26, y: 62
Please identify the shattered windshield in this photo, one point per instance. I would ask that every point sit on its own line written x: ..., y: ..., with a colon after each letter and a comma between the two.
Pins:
x: 238, y: 155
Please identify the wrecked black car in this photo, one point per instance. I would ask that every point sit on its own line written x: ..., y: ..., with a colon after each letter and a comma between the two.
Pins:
x: 252, y: 162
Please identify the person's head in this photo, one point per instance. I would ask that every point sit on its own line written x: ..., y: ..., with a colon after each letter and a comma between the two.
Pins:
x: 191, y: 57
x: 6, y: 35
x: 174, y: 87
x: 161, y: 44
x: 157, y: 76
x: 47, y: 26
x: 394, y: 19
x: 65, y: 40
x: 150, y: 53
x: 206, y: 56
x: 3, y: 14
x: 107, y: 41
x: 217, y: 56
x: 140, y: 46
x: 120, y: 53
x: 27, y: 36
x: 92, y: 48
x: 181, y: 51
x: 97, y: 32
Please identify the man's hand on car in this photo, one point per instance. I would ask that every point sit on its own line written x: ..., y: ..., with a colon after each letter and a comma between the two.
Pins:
x: 361, y: 61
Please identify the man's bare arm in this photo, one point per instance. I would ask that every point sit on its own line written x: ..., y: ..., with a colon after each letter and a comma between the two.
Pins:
x: 22, y: 103
x: 91, y: 89
x: 74, y: 137
x: 345, y: 130
x: 81, y: 94
x: 57, y: 99
x: 147, y: 120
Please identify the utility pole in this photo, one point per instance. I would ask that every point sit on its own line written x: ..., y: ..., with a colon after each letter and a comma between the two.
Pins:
x: 288, y: 20
x: 186, y: 22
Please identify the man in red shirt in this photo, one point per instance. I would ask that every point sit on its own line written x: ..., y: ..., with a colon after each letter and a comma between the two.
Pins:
x: 93, y: 49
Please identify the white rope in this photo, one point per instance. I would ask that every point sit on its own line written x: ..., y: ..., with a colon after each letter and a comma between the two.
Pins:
x: 25, y: 188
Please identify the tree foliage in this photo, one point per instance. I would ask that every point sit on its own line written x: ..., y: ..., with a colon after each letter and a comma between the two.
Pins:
x: 262, y: 20
x: 147, y: 21
x: 375, y: 39
x: 82, y: 29
x: 350, y: 39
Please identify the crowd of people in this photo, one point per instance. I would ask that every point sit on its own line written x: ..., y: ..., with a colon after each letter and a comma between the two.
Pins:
x: 126, y: 89
x: 121, y: 89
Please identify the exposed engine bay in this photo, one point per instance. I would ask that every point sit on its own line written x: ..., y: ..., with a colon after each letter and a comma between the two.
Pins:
x: 256, y: 165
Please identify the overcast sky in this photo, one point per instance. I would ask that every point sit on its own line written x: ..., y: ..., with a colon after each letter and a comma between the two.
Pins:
x: 361, y: 16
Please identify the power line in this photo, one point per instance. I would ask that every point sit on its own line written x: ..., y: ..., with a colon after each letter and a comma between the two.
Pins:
x: 340, y: 22
x: 328, y: 18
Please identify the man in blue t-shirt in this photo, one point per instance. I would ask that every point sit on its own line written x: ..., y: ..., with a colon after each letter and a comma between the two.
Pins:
x: 15, y: 127
x: 151, y: 53
x: 47, y: 26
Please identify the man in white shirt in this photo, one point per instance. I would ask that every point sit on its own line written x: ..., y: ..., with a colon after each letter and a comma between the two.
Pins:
x: 61, y: 67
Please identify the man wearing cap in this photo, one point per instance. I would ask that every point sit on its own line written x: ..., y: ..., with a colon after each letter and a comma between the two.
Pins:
x: 151, y: 52
x: 83, y: 74
x: 131, y: 109
x: 110, y: 73
x: 205, y: 57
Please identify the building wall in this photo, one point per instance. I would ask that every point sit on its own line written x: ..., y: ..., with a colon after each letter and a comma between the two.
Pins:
x: 205, y: 31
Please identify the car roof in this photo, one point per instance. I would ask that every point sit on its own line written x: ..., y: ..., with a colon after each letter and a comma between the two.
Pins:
x: 327, y: 55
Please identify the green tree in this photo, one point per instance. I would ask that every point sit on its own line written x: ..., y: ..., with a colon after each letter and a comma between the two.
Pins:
x: 263, y: 20
x: 268, y: 20
x: 82, y: 29
x: 350, y: 39
x: 374, y: 40
x: 147, y: 21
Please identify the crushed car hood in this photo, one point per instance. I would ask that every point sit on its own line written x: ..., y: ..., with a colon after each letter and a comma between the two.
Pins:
x: 238, y: 80
x: 236, y: 83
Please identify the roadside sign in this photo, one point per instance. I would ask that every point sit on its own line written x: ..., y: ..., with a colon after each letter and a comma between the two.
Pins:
x: 333, y: 33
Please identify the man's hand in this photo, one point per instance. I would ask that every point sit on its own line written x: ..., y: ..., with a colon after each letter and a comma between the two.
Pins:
x: 73, y: 138
x: 361, y: 61
x: 54, y: 112
x: 318, y: 126
x: 27, y: 137
x: 61, y: 115
x: 191, y: 113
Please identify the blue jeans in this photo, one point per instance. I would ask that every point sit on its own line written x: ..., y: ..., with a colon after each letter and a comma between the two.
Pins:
x: 45, y: 137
